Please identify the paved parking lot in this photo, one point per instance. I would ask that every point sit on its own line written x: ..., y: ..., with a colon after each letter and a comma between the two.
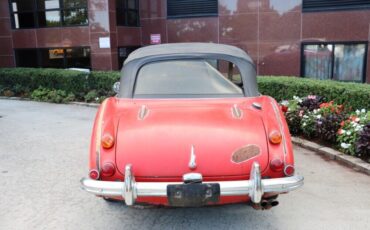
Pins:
x: 43, y: 154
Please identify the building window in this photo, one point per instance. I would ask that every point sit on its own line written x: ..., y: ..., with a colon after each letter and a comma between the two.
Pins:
x: 26, y: 58
x: 191, y: 8
x: 48, y: 13
x: 325, y: 5
x: 54, y: 57
x: 127, y: 12
x: 336, y: 61
x: 123, y: 53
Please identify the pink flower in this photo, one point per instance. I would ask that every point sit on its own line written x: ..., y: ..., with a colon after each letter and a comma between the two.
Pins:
x: 311, y: 96
x: 301, y: 113
x: 340, y: 131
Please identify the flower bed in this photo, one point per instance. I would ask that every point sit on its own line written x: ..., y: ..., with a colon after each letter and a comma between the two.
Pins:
x: 330, y: 123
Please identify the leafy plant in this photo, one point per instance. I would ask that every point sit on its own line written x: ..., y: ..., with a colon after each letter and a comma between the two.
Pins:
x: 363, y: 143
x: 290, y: 109
x: 8, y: 93
x: 311, y: 102
x: 308, y: 123
x: 294, y: 122
x: 328, y: 125
x: 55, y: 96
x: 348, y: 134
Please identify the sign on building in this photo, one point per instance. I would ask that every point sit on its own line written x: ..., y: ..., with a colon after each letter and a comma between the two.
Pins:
x: 155, y: 39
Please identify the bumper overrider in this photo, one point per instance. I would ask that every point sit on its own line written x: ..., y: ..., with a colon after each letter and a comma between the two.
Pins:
x: 130, y: 190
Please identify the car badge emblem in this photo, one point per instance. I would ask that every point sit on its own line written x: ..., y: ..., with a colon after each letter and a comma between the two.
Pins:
x: 192, y: 163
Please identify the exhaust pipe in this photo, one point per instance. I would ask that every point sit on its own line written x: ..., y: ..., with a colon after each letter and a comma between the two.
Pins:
x: 274, y: 203
x: 265, y: 204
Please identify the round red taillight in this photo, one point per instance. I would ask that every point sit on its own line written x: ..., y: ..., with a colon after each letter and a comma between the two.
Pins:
x: 107, y: 141
x: 108, y: 169
x: 289, y: 170
x: 94, y: 174
x: 277, y: 165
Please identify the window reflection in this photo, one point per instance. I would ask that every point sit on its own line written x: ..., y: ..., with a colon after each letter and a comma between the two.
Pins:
x: 22, y: 5
x: 54, y: 57
x: 48, y: 4
x: 75, y: 3
x: 123, y: 53
x: 48, y: 13
x: 78, y: 58
x: 49, y: 19
x: 283, y: 7
x: 75, y: 17
x: 343, y: 62
x: 24, y: 20
x: 127, y: 12
x: 318, y: 61
x: 349, y: 62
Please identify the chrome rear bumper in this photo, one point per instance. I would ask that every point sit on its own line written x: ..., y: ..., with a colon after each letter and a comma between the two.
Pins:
x: 131, y: 190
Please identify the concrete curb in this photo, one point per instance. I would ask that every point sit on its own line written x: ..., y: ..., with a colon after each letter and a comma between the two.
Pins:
x: 15, y: 98
x: 350, y: 161
x: 94, y: 105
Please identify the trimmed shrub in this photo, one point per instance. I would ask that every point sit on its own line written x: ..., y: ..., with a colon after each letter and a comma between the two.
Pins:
x: 351, y: 95
x: 23, y: 81
x: 102, y: 82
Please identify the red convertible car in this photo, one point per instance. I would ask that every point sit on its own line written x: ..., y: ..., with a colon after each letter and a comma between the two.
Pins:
x: 188, y: 127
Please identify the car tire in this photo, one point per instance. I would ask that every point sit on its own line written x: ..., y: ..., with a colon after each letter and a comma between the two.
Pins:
x: 110, y: 200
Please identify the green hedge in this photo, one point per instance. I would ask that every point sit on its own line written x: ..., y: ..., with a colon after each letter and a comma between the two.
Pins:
x: 23, y: 81
x: 354, y: 95
x: 98, y: 84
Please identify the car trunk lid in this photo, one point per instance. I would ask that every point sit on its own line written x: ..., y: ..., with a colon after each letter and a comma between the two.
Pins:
x: 158, y: 140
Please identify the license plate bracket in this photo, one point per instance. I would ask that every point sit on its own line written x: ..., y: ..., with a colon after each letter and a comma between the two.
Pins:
x: 193, y: 195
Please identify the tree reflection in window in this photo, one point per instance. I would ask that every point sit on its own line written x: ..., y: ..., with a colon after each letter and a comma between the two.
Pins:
x: 48, y: 13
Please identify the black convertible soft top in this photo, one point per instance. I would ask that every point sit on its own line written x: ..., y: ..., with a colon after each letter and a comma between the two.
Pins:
x: 187, y: 48
x: 178, y: 51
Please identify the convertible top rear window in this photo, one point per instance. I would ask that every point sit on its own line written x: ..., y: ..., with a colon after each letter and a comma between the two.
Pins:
x: 183, y: 79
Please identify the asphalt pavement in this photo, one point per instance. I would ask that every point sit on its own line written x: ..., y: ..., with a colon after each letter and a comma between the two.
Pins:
x: 44, y: 153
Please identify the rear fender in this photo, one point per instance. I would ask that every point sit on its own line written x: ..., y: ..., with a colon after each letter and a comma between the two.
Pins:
x: 274, y: 119
x: 105, y: 122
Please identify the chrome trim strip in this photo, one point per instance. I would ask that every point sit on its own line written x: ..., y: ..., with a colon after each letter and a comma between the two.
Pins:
x: 236, y: 112
x: 143, y: 112
x: 99, y: 134
x: 130, y: 190
x: 278, y: 117
x: 192, y: 163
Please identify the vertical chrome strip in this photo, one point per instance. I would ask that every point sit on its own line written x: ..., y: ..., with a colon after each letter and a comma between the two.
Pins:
x: 192, y: 163
x: 236, y: 112
x: 278, y: 117
x: 143, y: 112
x: 98, y: 135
